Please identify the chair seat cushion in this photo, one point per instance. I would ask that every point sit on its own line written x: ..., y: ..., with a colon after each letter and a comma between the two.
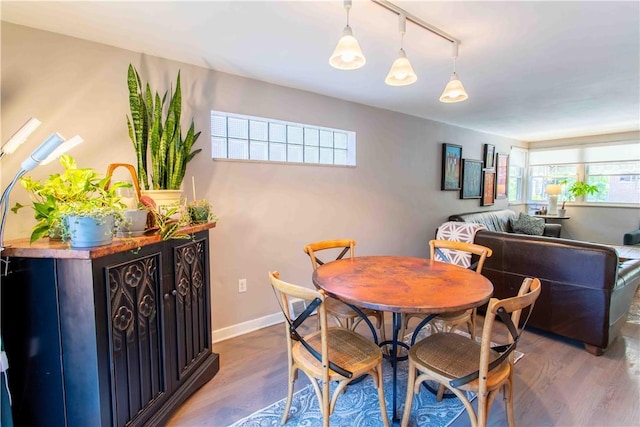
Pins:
x: 347, y: 349
x: 453, y: 356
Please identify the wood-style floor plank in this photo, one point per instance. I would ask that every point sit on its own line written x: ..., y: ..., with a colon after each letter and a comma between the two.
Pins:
x: 557, y: 383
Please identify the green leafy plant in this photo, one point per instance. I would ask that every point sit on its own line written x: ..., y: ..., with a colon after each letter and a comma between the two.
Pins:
x: 168, y: 227
x: 161, y: 137
x: 74, y: 192
x: 579, y: 189
x: 201, y: 211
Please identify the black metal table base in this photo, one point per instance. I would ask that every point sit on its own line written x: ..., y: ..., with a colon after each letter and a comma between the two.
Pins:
x: 393, y: 357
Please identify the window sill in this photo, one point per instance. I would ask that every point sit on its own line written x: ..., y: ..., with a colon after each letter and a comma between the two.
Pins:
x: 591, y: 205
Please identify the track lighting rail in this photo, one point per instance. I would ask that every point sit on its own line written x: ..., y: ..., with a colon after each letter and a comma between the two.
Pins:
x: 419, y: 22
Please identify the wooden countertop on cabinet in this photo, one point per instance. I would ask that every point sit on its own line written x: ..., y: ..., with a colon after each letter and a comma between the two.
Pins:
x: 45, y: 248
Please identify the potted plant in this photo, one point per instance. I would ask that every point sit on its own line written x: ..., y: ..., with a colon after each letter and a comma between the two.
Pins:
x: 200, y: 212
x: 577, y: 189
x: 76, y: 197
x: 157, y: 135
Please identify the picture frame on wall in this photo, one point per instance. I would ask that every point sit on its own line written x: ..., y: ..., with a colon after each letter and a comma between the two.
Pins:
x: 489, y: 156
x: 488, y: 188
x: 471, y: 179
x: 502, y: 176
x: 451, y: 166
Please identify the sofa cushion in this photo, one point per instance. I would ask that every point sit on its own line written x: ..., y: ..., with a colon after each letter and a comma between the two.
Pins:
x: 500, y: 220
x: 526, y: 224
x: 497, y: 220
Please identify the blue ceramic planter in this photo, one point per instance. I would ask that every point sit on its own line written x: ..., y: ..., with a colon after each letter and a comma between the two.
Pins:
x: 85, y: 232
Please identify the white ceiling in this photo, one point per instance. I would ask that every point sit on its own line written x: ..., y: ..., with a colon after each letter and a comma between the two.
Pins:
x: 533, y: 70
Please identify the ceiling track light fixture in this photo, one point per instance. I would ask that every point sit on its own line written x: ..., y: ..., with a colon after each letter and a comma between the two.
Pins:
x: 401, y: 72
x: 454, y: 91
x: 347, y: 55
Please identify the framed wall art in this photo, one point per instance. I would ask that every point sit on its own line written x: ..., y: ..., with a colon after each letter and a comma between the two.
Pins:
x: 451, y: 166
x: 502, y: 162
x: 489, y: 156
x: 488, y: 188
x: 471, y: 179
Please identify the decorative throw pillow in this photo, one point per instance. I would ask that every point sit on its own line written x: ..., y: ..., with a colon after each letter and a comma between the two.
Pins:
x: 458, y: 232
x: 526, y: 224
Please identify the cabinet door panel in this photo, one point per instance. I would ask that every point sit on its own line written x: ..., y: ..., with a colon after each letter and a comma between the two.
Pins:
x: 136, y: 339
x: 193, y: 337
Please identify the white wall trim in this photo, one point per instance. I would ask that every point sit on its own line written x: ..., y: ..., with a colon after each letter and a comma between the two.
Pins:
x: 246, y: 327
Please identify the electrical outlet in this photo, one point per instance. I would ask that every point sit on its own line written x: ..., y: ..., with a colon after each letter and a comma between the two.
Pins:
x: 242, y: 285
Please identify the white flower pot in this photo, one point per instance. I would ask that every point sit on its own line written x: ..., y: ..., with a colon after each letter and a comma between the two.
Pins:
x: 166, y: 198
x: 135, y: 222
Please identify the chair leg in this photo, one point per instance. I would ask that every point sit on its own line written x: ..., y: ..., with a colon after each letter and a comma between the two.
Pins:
x: 474, y: 315
x: 404, y: 327
x: 508, y: 401
x: 483, y: 410
x: 440, y: 393
x: 292, y: 378
x: 383, y: 406
x: 326, y: 411
x: 408, y: 401
x: 383, y: 335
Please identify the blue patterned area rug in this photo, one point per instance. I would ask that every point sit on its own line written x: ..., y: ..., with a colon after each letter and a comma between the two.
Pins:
x: 358, y: 406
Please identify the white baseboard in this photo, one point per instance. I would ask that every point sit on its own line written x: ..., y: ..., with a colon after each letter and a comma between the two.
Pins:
x: 246, y: 327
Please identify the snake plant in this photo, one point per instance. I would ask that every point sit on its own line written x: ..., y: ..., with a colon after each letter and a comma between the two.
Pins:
x: 149, y: 132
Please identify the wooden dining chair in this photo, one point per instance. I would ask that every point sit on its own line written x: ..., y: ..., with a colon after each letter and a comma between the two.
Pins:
x: 462, y: 365
x: 344, y: 315
x: 329, y: 354
x: 453, y: 253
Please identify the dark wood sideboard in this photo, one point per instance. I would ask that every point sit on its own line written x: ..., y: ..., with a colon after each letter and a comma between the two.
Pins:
x: 108, y: 336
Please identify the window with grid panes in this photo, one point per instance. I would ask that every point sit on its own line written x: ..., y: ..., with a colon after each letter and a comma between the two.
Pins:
x: 612, y: 167
x: 517, y: 168
x: 241, y: 137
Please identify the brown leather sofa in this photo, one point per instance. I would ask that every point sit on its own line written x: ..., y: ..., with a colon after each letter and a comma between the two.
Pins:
x: 586, y: 290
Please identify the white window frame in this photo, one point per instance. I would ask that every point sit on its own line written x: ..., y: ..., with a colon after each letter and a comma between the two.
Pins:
x: 239, y: 137
x: 581, y: 156
x: 513, y: 163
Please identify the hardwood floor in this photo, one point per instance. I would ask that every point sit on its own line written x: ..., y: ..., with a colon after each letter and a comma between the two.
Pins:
x: 557, y: 383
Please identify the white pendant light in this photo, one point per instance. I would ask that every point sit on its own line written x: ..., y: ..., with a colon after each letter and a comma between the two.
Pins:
x: 347, y: 55
x: 454, y: 91
x: 401, y: 72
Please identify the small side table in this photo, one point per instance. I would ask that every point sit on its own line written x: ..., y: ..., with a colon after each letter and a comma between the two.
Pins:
x: 548, y: 217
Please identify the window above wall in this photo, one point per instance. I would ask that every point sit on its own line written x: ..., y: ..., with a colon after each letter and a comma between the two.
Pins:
x: 614, y: 168
x: 241, y: 137
x: 517, y: 175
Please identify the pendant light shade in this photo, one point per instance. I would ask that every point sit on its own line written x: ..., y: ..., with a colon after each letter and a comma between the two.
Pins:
x: 401, y: 72
x: 454, y: 91
x: 347, y: 55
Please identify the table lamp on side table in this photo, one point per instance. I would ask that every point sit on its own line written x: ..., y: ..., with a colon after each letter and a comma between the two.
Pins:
x: 553, y: 190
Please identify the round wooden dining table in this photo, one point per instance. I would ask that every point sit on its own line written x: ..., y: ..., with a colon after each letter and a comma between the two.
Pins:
x: 402, y: 285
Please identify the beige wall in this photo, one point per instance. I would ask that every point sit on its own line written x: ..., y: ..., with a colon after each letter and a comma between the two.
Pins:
x: 390, y: 203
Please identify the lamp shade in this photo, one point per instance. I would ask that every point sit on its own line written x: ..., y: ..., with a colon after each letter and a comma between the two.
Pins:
x: 21, y: 135
x: 553, y: 189
x: 454, y: 91
x: 347, y: 54
x: 401, y: 72
x: 63, y: 148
